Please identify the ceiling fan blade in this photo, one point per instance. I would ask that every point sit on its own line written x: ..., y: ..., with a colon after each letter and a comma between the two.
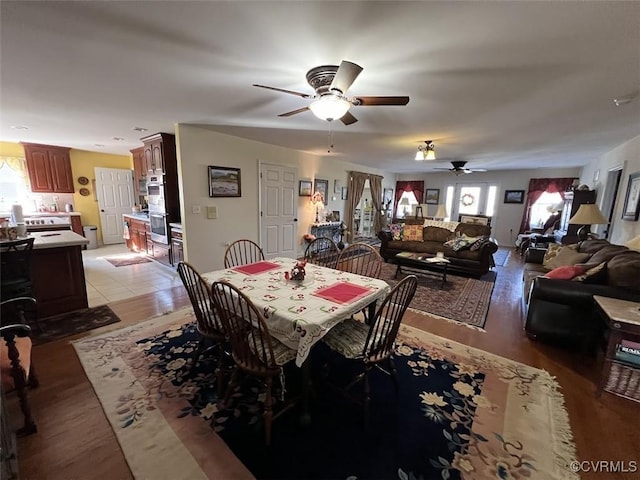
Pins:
x: 303, y: 95
x: 348, y: 119
x: 345, y: 76
x: 478, y: 170
x: 382, y: 100
x: 293, y: 112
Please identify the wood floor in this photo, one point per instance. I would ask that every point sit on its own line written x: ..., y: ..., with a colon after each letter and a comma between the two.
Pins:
x: 75, y: 441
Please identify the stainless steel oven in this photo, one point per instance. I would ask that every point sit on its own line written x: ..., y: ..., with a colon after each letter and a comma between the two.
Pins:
x: 159, y: 227
x: 155, y: 193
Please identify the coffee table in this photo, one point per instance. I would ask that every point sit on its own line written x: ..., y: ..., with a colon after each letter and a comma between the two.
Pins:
x: 426, y: 263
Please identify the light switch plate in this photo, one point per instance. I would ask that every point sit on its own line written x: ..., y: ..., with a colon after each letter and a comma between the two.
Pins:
x: 212, y: 212
x: 195, y: 209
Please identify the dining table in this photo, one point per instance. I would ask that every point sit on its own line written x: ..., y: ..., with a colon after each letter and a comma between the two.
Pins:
x: 299, y: 313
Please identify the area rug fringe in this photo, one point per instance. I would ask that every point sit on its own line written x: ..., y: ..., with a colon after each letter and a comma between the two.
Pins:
x: 455, y: 322
x: 564, y: 448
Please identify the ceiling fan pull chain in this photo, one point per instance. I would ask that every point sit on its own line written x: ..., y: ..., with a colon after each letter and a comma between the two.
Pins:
x: 330, y: 138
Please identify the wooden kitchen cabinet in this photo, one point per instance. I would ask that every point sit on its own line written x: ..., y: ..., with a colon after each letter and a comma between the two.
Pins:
x: 76, y: 225
x: 49, y: 168
x: 137, y: 241
x: 160, y: 154
x: 139, y: 172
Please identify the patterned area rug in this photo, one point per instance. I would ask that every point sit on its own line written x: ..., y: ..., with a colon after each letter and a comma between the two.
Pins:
x: 460, y: 299
x: 460, y: 413
x: 126, y: 260
x: 373, y: 241
x: 66, y: 324
x: 501, y: 256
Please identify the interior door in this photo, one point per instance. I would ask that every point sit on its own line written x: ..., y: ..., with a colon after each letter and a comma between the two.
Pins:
x: 609, y: 200
x: 114, y: 189
x: 470, y: 199
x: 279, y: 210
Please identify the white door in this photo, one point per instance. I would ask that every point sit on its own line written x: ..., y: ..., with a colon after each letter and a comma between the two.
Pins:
x: 279, y: 210
x: 114, y: 189
x: 469, y: 199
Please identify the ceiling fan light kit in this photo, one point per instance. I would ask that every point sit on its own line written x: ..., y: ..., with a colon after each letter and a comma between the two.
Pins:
x: 330, y: 102
x: 329, y: 107
x: 426, y: 151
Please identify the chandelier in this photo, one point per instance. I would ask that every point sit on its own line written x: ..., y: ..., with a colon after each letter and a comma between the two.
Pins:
x: 426, y: 151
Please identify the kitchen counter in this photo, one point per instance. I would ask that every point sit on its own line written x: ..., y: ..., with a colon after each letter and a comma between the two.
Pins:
x: 44, y: 214
x: 176, y: 226
x: 138, y: 216
x: 61, y: 238
x: 57, y: 272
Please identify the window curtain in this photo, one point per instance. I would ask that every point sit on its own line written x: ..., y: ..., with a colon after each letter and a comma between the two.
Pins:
x: 375, y: 184
x: 356, y: 187
x: 415, y: 186
x: 537, y: 186
x: 18, y: 165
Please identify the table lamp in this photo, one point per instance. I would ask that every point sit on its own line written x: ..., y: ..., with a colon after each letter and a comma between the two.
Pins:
x: 634, y: 243
x: 316, y: 200
x: 588, y: 214
x: 405, y: 203
x: 441, y: 213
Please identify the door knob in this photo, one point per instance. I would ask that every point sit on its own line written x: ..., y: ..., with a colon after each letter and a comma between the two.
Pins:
x: 295, y: 219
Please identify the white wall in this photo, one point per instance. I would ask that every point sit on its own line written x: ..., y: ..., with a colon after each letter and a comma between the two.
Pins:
x: 506, y: 221
x: 626, y: 156
x: 198, y: 147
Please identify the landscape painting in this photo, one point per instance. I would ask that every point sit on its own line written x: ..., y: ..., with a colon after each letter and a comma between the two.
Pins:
x: 224, y: 182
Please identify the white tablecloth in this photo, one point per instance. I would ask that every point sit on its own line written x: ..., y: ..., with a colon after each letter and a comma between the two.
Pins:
x: 294, y: 315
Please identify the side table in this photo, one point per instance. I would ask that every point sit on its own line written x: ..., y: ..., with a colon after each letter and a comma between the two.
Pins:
x: 621, y: 367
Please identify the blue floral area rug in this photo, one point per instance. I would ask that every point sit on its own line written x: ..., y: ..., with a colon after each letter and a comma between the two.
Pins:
x: 459, y: 412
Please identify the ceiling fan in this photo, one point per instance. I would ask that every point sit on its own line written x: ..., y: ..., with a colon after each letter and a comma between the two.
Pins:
x: 459, y: 169
x: 330, y: 102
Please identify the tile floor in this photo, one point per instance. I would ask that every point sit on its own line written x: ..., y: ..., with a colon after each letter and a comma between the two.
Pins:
x: 107, y: 283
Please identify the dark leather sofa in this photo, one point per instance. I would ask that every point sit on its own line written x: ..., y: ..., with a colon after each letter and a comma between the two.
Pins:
x: 563, y: 310
x: 466, y: 262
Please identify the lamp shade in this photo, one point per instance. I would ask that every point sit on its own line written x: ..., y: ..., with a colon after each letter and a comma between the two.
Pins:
x: 441, y: 212
x: 405, y: 202
x: 588, y: 214
x: 329, y: 107
x: 634, y: 243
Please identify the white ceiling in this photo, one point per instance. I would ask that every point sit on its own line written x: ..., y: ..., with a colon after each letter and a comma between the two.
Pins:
x: 499, y: 84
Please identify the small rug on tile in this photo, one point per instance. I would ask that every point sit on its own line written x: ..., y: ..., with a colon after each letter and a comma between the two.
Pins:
x: 59, y: 326
x: 460, y: 299
x: 460, y: 412
x: 127, y: 259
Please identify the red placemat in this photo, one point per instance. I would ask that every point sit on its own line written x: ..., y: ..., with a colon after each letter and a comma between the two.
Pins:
x: 342, y: 292
x: 257, y: 268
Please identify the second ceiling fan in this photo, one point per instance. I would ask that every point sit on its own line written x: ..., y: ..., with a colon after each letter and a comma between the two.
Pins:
x: 458, y: 167
x: 330, y: 102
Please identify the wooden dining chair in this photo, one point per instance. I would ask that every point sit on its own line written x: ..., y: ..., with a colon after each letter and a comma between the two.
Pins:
x: 361, y: 259
x: 16, y: 368
x: 242, y: 252
x: 255, y: 352
x: 372, y: 345
x: 322, y: 251
x: 210, y: 327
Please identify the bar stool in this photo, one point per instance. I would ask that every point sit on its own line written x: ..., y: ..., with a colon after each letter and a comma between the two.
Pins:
x: 15, y: 268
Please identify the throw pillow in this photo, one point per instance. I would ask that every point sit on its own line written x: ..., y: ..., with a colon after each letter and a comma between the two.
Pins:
x: 561, y: 255
x: 412, y: 233
x: 477, y: 245
x: 459, y: 243
x: 597, y: 274
x: 396, y: 230
x: 568, y: 272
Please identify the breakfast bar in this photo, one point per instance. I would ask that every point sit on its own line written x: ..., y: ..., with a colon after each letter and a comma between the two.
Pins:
x: 57, y: 272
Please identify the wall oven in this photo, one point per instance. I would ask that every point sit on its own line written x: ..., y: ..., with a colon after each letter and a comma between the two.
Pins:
x: 159, y: 227
x: 155, y: 193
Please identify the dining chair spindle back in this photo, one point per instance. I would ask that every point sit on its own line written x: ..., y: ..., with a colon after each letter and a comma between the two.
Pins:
x: 361, y: 259
x: 242, y: 252
x: 322, y: 251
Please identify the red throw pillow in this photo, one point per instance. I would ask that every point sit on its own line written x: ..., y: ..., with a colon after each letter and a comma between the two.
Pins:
x: 565, y: 273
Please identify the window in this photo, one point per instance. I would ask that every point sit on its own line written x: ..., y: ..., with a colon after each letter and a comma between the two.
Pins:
x: 543, y: 208
x: 14, y: 187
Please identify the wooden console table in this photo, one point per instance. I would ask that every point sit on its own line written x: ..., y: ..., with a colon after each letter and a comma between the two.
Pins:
x: 621, y: 367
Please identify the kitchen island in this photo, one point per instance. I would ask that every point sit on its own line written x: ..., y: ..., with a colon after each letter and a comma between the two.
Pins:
x: 57, y: 272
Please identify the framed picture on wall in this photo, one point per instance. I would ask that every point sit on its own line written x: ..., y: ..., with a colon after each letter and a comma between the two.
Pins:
x: 514, y: 196
x: 344, y: 193
x: 432, y: 196
x: 631, y: 209
x: 304, y: 189
x: 337, y: 187
x: 387, y: 197
x: 224, y: 182
x: 321, y: 186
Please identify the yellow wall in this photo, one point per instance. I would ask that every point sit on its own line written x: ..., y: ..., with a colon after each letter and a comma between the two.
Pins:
x: 82, y: 165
